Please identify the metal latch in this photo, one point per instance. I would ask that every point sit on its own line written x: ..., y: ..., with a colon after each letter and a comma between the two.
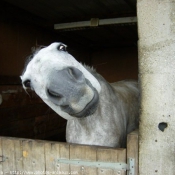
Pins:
x: 2, y: 159
x: 109, y: 165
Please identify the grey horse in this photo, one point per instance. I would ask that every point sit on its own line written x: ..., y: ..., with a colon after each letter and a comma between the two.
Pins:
x: 97, y: 112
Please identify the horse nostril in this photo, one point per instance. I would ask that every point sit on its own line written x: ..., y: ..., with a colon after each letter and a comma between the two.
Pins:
x: 54, y: 94
x: 27, y: 83
x: 75, y: 74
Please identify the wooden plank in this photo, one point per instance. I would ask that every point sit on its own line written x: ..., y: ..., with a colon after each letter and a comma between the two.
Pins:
x: 13, y: 153
x: 33, y: 156
x: 86, y: 153
x: 111, y: 155
x: 64, y: 154
x: 8, y: 150
x: 133, y: 148
x: 53, y: 152
x: 18, y: 154
x: 1, y: 163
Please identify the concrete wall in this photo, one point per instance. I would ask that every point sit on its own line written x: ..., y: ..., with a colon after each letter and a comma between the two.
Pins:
x: 156, y: 24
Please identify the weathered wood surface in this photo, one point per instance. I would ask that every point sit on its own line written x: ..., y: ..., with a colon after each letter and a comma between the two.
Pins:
x: 1, y: 158
x: 133, y: 149
x: 111, y: 155
x: 54, y: 151
x: 36, y: 156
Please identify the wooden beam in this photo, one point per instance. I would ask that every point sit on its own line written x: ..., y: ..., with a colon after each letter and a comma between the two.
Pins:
x: 95, y: 22
x: 133, y: 150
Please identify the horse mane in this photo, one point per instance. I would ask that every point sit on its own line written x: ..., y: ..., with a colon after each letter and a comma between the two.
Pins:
x: 89, y: 68
x: 34, y: 51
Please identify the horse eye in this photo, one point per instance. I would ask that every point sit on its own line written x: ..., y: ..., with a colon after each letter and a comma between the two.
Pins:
x: 27, y: 84
x: 62, y: 47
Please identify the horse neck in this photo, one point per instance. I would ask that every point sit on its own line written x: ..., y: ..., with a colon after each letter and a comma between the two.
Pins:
x: 106, y: 109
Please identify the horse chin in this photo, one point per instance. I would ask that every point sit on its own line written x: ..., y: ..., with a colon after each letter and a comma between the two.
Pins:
x: 90, y: 108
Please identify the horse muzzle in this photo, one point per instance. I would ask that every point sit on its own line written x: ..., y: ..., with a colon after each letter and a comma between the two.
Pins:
x: 69, y: 89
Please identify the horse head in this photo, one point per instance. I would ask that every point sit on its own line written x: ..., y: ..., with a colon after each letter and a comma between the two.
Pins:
x: 62, y: 82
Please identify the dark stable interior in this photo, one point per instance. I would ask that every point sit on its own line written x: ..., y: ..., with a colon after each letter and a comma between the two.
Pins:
x: 25, y: 25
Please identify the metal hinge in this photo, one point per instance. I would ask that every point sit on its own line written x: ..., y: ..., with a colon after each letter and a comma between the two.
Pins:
x: 109, y: 165
x: 131, y: 164
x: 2, y: 159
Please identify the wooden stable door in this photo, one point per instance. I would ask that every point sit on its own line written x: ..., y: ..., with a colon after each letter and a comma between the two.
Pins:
x: 24, y: 156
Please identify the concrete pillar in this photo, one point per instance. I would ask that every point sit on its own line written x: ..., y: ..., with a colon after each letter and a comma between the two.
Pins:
x: 156, y: 27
